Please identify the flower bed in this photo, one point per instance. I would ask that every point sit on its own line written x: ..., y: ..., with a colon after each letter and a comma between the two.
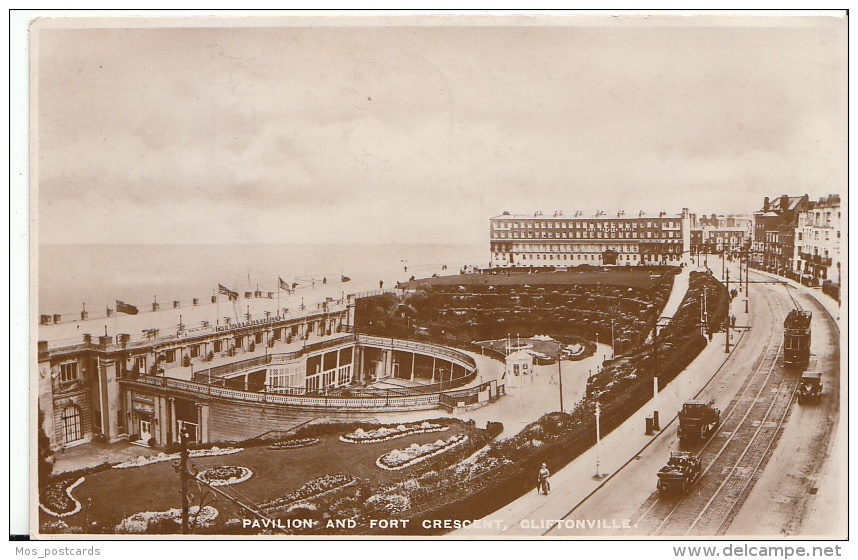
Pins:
x: 385, y: 433
x: 294, y: 443
x: 403, y: 458
x: 57, y: 499
x: 139, y: 522
x: 309, y: 491
x: 161, y: 457
x: 60, y: 528
x: 225, y: 475
x: 392, y: 505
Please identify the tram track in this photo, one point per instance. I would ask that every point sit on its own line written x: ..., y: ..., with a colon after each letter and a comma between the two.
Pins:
x: 721, y: 377
x: 749, y: 430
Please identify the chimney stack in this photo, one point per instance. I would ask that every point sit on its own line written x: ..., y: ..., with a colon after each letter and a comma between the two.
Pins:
x: 766, y: 204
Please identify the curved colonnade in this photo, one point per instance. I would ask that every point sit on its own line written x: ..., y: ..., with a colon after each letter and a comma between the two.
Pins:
x: 212, y: 408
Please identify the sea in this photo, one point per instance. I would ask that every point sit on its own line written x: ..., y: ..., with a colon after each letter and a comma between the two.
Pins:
x: 71, y: 277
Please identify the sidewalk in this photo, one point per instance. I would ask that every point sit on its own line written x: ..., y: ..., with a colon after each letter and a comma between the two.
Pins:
x: 94, y: 454
x: 677, y: 293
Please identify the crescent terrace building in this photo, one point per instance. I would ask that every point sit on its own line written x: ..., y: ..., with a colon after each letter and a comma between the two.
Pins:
x: 234, y: 380
x: 560, y: 241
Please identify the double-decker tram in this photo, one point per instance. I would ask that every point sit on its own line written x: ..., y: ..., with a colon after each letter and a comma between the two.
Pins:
x: 797, y: 338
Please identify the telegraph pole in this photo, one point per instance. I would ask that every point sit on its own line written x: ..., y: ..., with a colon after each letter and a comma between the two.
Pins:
x: 740, y: 272
x: 727, y: 318
x: 560, y: 372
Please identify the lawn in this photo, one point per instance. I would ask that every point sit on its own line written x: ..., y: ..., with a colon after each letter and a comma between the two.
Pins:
x: 111, y: 495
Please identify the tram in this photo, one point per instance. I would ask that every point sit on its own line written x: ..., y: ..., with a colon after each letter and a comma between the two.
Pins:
x: 797, y: 338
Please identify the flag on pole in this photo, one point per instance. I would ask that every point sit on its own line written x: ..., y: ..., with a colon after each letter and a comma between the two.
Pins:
x: 122, y: 307
x: 283, y: 285
x: 345, y: 279
x: 227, y: 292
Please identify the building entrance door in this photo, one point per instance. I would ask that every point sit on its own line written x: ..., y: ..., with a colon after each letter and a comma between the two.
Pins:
x: 145, y: 430
x: 191, y: 428
x: 71, y: 424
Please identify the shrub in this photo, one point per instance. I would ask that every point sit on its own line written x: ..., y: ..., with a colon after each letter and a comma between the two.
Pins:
x: 46, y: 459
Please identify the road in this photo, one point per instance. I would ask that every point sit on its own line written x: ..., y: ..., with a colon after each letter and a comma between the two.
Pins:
x: 762, y: 467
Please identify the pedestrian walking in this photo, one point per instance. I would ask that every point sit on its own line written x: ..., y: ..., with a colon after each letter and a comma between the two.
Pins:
x: 542, y: 484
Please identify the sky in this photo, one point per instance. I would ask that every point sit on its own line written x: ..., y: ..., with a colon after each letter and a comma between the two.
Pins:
x: 330, y: 130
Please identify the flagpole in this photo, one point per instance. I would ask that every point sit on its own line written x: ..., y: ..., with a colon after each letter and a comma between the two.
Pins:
x: 217, y: 303
x: 278, y: 298
x: 116, y: 318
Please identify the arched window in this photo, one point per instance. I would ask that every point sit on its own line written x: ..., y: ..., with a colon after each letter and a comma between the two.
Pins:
x: 71, y: 424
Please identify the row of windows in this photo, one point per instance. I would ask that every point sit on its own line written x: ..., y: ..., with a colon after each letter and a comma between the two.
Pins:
x: 719, y: 235
x: 612, y: 226
x: 565, y: 248
x: 819, y: 219
x: 595, y: 257
x: 68, y: 372
x: 338, y: 377
x: 584, y: 235
x: 816, y: 237
x: 284, y: 381
x: 565, y: 257
x: 809, y: 249
x: 585, y: 248
x: 196, y: 350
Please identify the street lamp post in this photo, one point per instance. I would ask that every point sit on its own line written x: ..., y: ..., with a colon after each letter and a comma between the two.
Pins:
x: 184, y: 476
x: 613, y: 351
x: 727, y: 319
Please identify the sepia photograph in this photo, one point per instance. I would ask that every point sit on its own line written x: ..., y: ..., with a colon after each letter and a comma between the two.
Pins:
x: 573, y: 276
